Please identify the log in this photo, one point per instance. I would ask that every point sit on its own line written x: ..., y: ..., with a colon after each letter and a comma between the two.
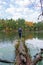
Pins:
x: 23, y: 58
x: 37, y: 58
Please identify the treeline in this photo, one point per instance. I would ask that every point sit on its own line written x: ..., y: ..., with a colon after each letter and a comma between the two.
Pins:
x: 13, y: 25
x: 9, y: 25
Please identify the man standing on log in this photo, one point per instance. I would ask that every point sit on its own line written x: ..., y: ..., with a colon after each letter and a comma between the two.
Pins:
x: 20, y: 32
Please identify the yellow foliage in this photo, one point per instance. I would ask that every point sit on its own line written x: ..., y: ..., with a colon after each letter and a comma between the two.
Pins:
x: 29, y: 23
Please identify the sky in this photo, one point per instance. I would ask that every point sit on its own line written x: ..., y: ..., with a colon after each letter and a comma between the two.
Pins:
x: 26, y: 9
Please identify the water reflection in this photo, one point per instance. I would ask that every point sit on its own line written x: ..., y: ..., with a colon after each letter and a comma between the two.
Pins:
x: 7, y: 52
x: 34, y: 44
x: 10, y: 36
x: 31, y: 35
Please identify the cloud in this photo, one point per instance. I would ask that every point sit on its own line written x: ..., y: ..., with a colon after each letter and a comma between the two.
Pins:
x: 2, y: 2
x: 27, y: 9
x: 22, y: 3
x: 0, y: 7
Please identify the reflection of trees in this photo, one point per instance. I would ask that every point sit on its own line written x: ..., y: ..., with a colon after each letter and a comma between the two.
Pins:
x: 8, y: 36
x: 38, y: 35
x: 31, y: 35
x: 13, y: 35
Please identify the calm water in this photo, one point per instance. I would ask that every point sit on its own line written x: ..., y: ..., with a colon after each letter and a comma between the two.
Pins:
x: 34, y: 42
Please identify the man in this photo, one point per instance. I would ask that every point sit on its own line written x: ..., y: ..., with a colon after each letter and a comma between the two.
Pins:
x: 20, y: 32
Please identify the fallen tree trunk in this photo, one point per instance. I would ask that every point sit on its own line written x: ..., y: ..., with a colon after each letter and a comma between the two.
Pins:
x: 23, y: 58
x: 37, y: 58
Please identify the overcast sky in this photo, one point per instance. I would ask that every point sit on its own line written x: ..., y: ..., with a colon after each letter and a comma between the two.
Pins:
x: 20, y: 9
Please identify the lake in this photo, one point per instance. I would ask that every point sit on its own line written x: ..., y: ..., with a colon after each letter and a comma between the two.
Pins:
x: 33, y: 41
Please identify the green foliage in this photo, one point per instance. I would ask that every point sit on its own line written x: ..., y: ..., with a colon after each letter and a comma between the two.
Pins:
x: 38, y: 26
x: 11, y: 24
x: 21, y: 23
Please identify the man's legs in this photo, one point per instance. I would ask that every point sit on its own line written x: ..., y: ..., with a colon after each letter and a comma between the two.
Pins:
x: 20, y: 35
